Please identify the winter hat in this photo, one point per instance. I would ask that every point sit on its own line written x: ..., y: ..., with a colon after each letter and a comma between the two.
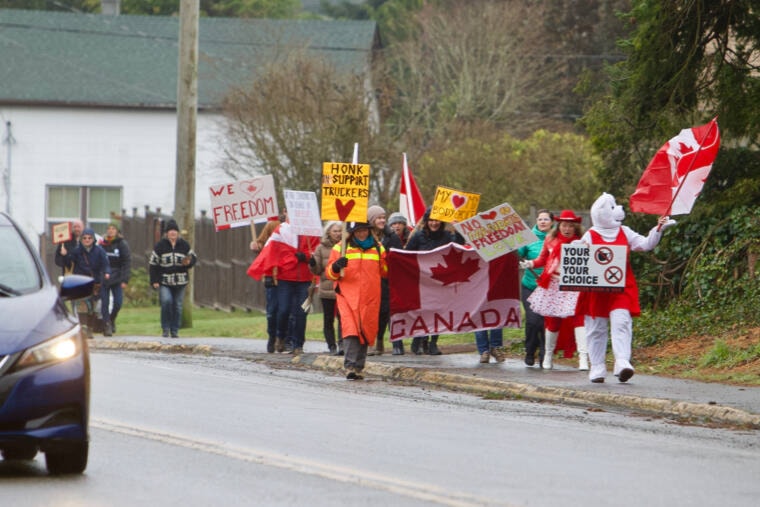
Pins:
x: 352, y: 227
x: 568, y: 216
x: 397, y: 218
x: 373, y: 212
x: 171, y: 225
x: 88, y: 232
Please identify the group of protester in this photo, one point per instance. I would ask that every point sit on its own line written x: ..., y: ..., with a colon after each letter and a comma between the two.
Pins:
x: 351, y: 272
x: 107, y: 261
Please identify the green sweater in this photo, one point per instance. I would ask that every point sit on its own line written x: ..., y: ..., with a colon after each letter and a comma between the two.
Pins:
x: 530, y: 252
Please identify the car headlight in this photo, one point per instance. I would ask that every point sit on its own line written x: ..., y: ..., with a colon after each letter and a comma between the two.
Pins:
x: 58, y: 349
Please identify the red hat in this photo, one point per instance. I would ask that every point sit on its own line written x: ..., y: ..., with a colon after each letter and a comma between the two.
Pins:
x: 568, y: 216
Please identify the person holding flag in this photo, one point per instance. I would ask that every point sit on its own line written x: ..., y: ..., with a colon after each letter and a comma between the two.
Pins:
x: 613, y: 311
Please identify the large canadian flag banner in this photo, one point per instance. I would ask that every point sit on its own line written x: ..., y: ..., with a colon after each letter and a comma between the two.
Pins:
x: 451, y: 290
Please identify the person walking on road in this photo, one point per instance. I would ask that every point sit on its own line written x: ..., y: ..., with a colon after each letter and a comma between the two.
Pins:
x: 558, y: 307
x: 490, y: 343
x: 430, y: 234
x: 534, y: 322
x: 120, y: 262
x: 170, y: 263
x: 318, y: 264
x: 357, y: 273
x: 89, y: 259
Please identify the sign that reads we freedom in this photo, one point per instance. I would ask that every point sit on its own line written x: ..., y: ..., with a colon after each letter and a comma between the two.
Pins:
x: 239, y: 203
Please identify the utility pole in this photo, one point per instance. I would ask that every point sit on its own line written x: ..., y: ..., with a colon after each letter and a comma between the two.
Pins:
x: 187, y: 109
x: 9, y: 140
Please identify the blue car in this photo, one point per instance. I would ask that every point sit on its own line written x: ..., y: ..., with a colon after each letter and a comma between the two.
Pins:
x: 44, y: 360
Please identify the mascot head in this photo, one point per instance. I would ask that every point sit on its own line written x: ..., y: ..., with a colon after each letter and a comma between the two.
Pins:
x: 605, y: 213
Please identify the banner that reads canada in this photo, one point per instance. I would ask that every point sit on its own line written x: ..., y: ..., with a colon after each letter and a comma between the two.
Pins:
x: 451, y: 290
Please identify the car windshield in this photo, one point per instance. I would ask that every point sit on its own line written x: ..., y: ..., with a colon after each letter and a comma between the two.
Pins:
x: 18, y: 271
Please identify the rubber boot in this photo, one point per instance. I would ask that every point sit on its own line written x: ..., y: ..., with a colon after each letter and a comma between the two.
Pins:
x: 416, y: 343
x: 425, y: 346
x: 551, y: 342
x: 582, y: 346
x: 433, y: 349
x: 398, y: 348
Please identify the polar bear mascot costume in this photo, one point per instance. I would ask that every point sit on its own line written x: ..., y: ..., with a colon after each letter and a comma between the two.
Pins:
x: 613, y: 311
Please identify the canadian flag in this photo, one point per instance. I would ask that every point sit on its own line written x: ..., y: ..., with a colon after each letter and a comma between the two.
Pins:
x: 451, y: 290
x: 278, y: 252
x: 411, y: 204
x: 675, y: 176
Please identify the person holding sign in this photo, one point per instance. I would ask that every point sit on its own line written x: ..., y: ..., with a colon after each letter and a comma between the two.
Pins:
x: 535, y: 339
x: 557, y: 307
x: 68, y: 246
x: 614, y: 310
x: 357, y: 274
x: 429, y: 235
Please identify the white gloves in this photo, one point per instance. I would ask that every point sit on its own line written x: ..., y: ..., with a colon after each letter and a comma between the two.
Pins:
x: 526, y: 264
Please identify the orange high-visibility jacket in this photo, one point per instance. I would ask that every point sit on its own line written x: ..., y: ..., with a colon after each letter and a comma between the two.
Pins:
x: 357, y: 292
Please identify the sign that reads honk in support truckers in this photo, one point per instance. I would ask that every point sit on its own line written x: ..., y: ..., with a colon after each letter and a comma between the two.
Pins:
x: 451, y: 205
x: 594, y: 268
x: 345, y: 191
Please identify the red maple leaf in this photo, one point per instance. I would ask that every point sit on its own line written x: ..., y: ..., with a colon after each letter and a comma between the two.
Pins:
x: 455, y: 269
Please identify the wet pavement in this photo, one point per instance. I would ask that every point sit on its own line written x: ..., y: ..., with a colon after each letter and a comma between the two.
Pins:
x: 687, y: 401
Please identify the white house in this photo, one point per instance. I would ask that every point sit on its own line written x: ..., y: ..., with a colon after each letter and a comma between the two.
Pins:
x: 88, y: 111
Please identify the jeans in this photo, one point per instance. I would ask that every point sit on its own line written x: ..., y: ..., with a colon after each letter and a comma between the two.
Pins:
x: 290, y: 297
x: 117, y: 293
x: 489, y: 339
x: 171, y: 299
x: 271, y: 293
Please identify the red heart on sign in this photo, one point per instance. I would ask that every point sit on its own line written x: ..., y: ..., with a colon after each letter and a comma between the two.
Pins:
x: 249, y: 187
x: 488, y: 216
x: 458, y: 200
x: 344, y: 209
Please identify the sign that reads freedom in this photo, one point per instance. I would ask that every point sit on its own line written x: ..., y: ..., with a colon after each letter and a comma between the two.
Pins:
x: 595, y: 268
x: 239, y: 203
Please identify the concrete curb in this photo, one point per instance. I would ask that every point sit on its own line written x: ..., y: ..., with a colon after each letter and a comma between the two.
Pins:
x: 702, y: 412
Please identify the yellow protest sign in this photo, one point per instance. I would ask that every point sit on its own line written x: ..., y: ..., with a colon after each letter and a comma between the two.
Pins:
x: 450, y: 205
x: 345, y: 191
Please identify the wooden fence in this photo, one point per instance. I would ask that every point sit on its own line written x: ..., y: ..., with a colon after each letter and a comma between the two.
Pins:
x: 220, y: 279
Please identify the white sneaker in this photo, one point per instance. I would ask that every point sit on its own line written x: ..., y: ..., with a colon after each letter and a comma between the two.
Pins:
x: 597, y: 373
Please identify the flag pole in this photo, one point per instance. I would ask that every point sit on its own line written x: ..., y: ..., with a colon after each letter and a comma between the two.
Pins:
x: 713, y: 124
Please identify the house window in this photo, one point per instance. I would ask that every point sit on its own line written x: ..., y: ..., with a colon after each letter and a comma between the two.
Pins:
x: 92, y: 205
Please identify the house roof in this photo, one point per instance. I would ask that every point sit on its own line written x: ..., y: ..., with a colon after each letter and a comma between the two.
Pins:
x: 131, y: 61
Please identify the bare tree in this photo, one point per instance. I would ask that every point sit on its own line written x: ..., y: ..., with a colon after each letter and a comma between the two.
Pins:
x: 481, y: 60
x: 299, y: 113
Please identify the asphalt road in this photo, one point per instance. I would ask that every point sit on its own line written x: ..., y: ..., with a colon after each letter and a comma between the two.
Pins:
x: 197, y: 430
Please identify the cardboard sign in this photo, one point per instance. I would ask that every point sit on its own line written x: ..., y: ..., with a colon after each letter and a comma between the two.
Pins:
x: 303, y: 212
x: 495, y: 232
x: 242, y: 202
x: 61, y: 232
x: 451, y: 205
x: 345, y: 191
x: 595, y: 268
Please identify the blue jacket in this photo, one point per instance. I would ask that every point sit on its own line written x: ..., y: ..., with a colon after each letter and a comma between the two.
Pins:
x: 92, y: 263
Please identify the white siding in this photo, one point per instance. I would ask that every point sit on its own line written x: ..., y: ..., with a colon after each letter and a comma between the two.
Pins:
x: 135, y: 150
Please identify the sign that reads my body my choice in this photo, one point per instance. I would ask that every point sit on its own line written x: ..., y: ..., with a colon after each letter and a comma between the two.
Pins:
x: 594, y: 268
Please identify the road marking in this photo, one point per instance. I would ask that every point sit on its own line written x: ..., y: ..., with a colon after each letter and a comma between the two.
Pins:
x: 306, y: 466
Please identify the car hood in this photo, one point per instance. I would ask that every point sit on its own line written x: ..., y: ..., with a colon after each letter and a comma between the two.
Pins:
x: 30, y: 319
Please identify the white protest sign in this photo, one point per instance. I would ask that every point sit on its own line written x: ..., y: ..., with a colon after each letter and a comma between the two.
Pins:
x: 241, y: 202
x: 303, y: 212
x: 495, y: 232
x: 595, y: 268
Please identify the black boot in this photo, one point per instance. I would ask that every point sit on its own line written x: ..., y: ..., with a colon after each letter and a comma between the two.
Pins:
x: 425, y: 346
x: 398, y: 348
x: 416, y: 342
x: 270, y: 344
x: 113, y: 320
x: 433, y: 349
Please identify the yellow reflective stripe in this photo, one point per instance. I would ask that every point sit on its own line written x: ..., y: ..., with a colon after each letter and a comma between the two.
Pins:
x: 359, y: 255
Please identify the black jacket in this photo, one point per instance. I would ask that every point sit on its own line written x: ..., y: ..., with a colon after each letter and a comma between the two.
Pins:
x: 119, y: 258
